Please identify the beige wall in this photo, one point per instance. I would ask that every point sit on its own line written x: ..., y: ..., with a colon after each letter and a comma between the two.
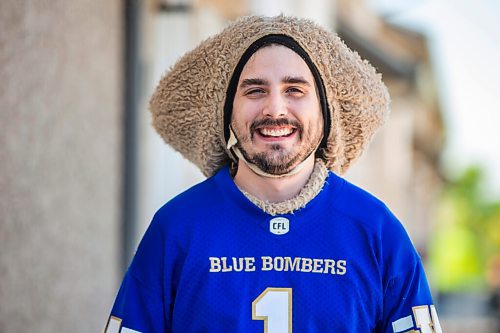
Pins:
x: 60, y: 123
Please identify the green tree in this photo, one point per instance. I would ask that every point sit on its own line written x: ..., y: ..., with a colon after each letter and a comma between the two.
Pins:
x: 466, y: 237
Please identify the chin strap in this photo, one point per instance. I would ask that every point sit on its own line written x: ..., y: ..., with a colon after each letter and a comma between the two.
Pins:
x: 236, y: 155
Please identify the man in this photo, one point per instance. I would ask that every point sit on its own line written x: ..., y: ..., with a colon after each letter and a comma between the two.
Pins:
x: 271, y: 110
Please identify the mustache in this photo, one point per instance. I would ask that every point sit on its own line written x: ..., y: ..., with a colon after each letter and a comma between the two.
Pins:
x: 275, y: 122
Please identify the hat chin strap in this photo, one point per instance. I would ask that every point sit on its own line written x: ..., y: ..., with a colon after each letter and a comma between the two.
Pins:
x: 236, y: 155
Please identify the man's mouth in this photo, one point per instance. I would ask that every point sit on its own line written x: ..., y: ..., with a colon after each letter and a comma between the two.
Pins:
x: 276, y: 132
x: 275, y: 128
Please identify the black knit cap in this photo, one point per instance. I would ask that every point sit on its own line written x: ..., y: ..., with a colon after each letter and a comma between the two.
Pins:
x: 294, y: 46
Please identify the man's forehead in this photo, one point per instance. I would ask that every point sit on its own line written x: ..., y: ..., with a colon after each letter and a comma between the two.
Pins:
x: 277, y: 62
x: 275, y: 52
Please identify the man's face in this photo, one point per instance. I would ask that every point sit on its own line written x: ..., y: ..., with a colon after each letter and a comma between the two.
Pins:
x: 276, y: 111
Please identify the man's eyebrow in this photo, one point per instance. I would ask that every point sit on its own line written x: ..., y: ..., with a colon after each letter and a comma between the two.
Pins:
x: 295, y: 80
x: 263, y: 82
x: 253, y: 82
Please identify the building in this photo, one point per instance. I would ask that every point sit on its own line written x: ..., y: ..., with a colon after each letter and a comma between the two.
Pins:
x: 82, y: 171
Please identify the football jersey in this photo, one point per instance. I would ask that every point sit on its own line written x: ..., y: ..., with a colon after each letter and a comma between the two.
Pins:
x: 212, y: 261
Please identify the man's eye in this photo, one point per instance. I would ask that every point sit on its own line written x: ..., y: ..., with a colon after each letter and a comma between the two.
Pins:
x: 254, y: 91
x: 294, y: 90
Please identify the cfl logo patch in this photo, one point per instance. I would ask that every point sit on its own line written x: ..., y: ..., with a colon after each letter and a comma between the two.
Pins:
x: 279, y: 226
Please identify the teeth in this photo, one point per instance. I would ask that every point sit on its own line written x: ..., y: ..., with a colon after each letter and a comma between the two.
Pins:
x: 276, y: 132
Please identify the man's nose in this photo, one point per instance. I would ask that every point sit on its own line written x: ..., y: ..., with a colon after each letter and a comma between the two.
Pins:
x: 275, y: 106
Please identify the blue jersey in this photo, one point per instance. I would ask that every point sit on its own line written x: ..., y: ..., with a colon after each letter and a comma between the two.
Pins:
x: 212, y: 261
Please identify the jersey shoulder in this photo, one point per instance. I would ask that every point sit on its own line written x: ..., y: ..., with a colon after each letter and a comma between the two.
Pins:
x: 201, y: 200
x: 358, y: 204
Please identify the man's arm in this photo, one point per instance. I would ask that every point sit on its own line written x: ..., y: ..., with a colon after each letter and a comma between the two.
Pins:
x: 408, y: 305
x: 141, y: 304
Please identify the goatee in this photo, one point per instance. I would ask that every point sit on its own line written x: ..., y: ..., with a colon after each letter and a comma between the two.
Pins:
x: 276, y: 160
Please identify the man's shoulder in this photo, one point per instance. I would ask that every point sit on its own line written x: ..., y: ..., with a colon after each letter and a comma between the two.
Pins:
x: 198, y: 198
x: 359, y: 204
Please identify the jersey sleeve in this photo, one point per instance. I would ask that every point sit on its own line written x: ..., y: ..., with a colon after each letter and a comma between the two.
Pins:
x: 142, y: 305
x: 407, y: 301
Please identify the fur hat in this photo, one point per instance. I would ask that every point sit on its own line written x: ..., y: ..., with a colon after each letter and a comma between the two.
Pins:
x: 188, y: 104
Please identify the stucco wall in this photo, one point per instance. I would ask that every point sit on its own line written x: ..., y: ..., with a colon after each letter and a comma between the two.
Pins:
x: 60, y: 127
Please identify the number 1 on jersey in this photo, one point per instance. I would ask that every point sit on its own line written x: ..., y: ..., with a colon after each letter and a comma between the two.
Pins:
x: 274, y: 307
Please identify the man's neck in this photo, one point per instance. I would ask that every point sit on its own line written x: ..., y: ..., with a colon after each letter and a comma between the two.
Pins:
x: 273, y: 189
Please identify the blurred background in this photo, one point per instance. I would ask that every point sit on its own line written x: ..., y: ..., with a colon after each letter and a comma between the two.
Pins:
x: 82, y: 172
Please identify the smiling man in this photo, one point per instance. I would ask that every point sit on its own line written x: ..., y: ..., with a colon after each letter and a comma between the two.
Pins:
x: 277, y: 122
x: 273, y: 111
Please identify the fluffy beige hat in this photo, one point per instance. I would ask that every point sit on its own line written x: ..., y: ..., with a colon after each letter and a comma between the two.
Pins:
x: 188, y: 104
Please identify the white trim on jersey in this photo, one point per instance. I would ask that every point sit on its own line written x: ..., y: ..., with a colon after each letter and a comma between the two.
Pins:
x: 402, y: 324
x: 128, y: 330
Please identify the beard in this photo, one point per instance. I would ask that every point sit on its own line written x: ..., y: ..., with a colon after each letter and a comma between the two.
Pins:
x: 277, y: 159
